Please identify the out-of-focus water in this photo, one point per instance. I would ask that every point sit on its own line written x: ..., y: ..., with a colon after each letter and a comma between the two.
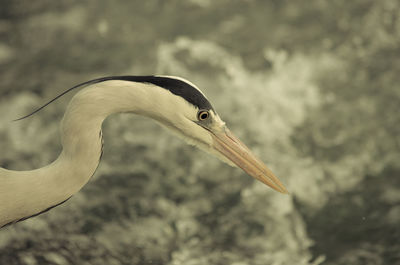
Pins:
x: 311, y: 86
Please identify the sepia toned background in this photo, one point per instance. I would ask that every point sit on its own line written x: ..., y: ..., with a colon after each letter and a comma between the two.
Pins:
x: 311, y: 86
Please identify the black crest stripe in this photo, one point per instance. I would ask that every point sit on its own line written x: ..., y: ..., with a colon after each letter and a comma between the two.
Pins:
x: 175, y: 86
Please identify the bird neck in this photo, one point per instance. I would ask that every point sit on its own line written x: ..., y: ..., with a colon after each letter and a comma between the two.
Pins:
x: 27, y: 193
x: 81, y: 134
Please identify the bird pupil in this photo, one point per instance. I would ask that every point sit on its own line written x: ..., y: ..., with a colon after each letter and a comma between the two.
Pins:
x: 204, y: 115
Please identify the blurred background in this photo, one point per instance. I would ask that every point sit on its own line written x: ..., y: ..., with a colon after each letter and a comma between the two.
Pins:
x: 311, y: 86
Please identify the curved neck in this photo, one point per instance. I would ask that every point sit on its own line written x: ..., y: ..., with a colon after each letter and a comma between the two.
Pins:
x: 27, y: 193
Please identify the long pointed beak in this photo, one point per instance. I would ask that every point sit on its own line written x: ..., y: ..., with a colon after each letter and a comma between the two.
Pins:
x: 232, y: 148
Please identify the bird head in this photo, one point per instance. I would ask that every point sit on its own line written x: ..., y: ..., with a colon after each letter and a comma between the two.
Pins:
x: 186, y: 111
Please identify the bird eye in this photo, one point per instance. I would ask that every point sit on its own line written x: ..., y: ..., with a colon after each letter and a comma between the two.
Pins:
x: 203, y: 115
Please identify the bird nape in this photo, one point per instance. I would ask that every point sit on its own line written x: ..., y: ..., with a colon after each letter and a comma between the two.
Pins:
x: 173, y: 102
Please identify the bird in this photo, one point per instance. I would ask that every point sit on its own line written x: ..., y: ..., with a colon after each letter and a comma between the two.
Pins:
x: 173, y: 102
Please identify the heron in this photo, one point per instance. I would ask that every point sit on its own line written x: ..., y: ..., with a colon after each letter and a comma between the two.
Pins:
x: 173, y: 102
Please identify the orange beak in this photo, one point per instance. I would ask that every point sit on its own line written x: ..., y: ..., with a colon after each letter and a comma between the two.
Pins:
x: 232, y: 148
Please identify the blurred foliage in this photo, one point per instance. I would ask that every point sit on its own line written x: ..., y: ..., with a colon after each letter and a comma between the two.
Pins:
x: 311, y: 86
